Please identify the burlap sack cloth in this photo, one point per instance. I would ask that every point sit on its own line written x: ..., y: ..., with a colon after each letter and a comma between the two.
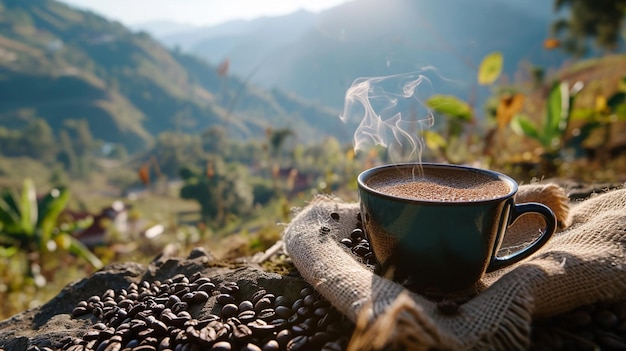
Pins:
x: 583, y: 263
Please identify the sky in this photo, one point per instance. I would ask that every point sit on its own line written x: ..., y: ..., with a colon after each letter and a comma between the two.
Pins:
x: 196, y: 12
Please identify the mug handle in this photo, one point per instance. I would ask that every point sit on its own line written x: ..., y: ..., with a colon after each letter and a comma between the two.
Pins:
x: 519, y: 210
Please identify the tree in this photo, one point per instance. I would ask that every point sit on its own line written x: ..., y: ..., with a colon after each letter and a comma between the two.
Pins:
x: 214, y: 140
x: 220, y: 190
x: 66, y: 156
x: 83, y: 144
x: 39, y: 141
x: 600, y: 20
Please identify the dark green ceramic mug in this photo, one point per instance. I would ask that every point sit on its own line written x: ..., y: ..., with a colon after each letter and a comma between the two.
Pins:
x: 440, y: 226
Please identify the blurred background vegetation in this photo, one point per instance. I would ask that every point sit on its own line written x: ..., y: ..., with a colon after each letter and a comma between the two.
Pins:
x: 117, y: 144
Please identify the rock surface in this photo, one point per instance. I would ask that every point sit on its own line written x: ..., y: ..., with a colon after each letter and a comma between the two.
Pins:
x: 51, y: 324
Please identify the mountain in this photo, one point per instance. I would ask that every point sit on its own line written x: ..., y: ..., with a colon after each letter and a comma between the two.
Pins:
x: 59, y: 63
x: 246, y: 43
x: 163, y: 28
x: 320, y: 57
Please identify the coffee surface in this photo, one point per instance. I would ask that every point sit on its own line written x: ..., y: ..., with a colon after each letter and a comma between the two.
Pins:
x: 439, y: 185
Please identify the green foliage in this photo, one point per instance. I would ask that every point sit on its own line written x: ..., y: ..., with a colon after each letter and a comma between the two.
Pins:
x: 556, y: 119
x: 32, y: 226
x: 221, y: 190
x: 450, y: 106
x: 490, y: 68
x: 590, y: 19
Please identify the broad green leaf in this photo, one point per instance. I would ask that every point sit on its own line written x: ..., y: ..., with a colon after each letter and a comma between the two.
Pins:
x: 28, y: 207
x: 50, y: 208
x: 451, y: 106
x: 9, y: 204
x: 434, y: 140
x: 80, y: 250
x: 490, y: 68
x: 521, y: 125
x: 9, y: 217
x: 558, y: 101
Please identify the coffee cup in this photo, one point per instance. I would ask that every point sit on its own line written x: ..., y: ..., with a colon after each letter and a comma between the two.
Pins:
x: 441, y: 226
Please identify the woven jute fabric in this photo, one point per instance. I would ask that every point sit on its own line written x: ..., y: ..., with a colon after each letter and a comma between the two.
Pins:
x: 584, y: 263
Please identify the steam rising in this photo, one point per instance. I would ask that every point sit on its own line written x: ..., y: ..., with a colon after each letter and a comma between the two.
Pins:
x: 390, y: 112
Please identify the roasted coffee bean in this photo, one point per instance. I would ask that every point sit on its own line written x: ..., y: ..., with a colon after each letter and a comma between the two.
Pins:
x: 281, y: 301
x: 113, y: 346
x: 229, y: 310
x: 144, y: 348
x: 284, y: 336
x: 125, y: 303
x: 611, y: 341
x: 307, y: 290
x: 91, y: 335
x: 260, y: 327
x: 271, y: 345
x: 304, y: 311
x: 332, y: 346
x: 251, y: 347
x: 297, y: 304
x: 309, y: 300
x: 266, y: 315
x: 357, y: 234
x: 208, y: 319
x: 262, y: 304
x: 94, y: 299
x: 199, y: 297
x: 159, y: 328
x: 207, y: 287
x: 246, y: 305
x: 259, y: 294
x: 283, y: 312
x: 335, y: 216
x: 246, y: 316
x: 103, y: 345
x: 301, y: 329
x: 297, y: 343
x: 172, y: 300
x: 295, y: 318
x: 606, y: 319
x: 229, y: 288
x: 107, y: 333
x: 324, y: 230
x: 132, y: 343
x: 207, y: 335
x: 178, y: 307
x: 187, y: 297
x: 347, y: 242
x: 80, y: 311
x: 242, y: 332
x: 184, y: 315
x: 221, y: 346
x: 321, y: 338
x: 278, y: 322
x: 225, y: 299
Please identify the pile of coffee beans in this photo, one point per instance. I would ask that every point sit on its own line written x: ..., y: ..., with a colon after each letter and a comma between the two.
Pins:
x: 600, y: 326
x: 164, y: 315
